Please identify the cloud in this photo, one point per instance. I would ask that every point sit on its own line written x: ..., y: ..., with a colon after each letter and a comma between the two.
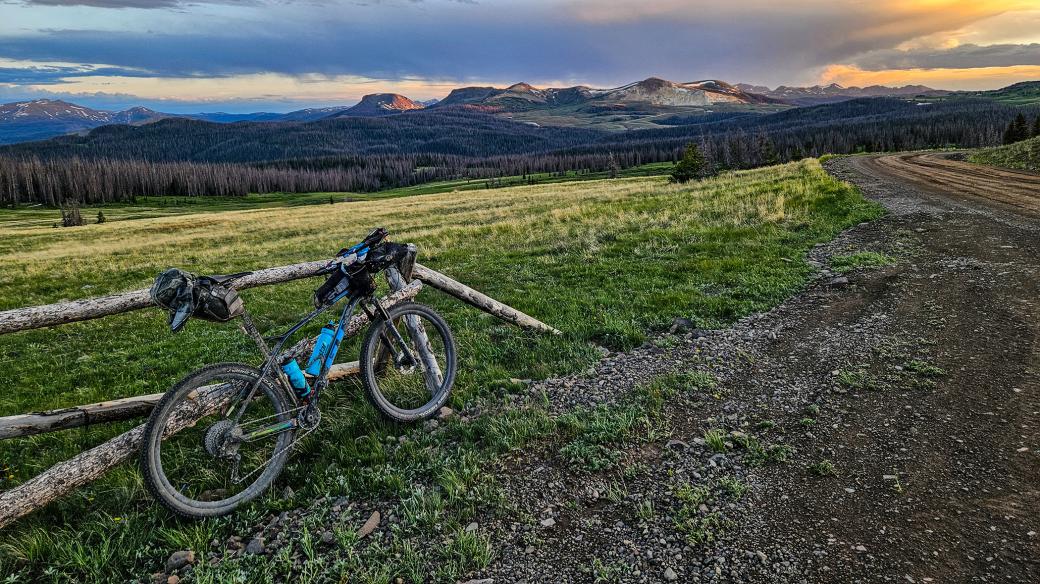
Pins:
x: 29, y: 73
x: 976, y: 78
x: 596, y: 42
x: 144, y: 4
x: 960, y: 57
x: 160, y: 4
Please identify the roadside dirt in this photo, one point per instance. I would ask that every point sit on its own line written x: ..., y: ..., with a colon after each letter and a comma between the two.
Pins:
x: 910, y: 395
x: 881, y: 426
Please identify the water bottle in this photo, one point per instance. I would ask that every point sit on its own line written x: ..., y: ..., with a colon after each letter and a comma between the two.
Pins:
x: 296, y: 379
x: 321, y: 347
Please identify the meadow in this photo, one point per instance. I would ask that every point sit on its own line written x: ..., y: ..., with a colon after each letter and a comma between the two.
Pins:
x: 1024, y: 155
x: 608, y: 262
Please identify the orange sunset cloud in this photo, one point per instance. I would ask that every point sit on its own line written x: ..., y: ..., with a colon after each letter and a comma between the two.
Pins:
x: 973, y: 78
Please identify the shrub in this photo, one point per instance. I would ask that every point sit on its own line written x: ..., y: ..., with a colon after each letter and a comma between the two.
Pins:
x: 692, y: 166
x: 70, y: 215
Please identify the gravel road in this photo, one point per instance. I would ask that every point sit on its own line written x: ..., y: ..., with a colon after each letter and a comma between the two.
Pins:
x: 880, y: 426
x: 910, y: 395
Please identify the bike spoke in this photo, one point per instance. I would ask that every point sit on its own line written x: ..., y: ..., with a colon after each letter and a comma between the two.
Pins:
x: 209, y: 460
x: 411, y: 362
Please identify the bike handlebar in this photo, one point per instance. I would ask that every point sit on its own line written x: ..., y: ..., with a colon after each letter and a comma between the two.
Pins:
x: 371, y: 240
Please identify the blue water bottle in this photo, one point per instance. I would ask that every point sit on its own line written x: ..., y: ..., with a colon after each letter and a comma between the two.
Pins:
x: 296, y: 378
x: 321, y: 347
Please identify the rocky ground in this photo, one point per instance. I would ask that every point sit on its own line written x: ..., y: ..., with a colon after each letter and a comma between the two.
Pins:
x: 881, y: 426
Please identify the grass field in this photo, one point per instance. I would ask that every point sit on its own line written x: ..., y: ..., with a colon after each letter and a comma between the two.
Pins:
x: 1024, y: 155
x: 604, y: 261
x: 32, y: 216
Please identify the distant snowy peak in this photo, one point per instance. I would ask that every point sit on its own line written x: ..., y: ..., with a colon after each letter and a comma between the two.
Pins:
x: 835, y: 92
x: 56, y: 110
x: 50, y: 109
x: 653, y: 91
x: 662, y: 92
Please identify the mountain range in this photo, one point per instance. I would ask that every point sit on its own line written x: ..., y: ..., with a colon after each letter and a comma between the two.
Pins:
x: 649, y: 103
x: 819, y: 94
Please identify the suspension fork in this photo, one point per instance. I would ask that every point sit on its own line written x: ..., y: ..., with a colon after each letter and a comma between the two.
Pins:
x: 385, y: 314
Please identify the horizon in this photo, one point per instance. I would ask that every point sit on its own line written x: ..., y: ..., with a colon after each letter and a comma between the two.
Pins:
x: 198, y: 107
x: 185, y: 108
x: 243, y: 56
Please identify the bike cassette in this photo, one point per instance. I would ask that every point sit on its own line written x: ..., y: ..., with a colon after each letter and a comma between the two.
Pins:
x: 221, y: 440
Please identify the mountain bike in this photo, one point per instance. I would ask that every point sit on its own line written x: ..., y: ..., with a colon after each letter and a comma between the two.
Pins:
x: 220, y: 437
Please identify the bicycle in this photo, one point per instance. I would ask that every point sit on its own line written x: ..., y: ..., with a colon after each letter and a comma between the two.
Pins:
x: 220, y: 437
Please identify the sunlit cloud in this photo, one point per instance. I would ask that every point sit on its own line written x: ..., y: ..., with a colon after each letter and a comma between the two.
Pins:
x: 976, y: 78
x: 257, y: 87
x: 307, y: 51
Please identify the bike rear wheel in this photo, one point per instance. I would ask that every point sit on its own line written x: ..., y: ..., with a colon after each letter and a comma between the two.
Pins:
x: 408, y: 363
x: 197, y: 460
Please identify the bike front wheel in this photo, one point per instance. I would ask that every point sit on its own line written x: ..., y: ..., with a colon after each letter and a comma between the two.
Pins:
x: 209, y: 447
x: 408, y: 363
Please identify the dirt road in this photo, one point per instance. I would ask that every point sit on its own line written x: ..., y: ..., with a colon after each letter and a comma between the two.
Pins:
x: 943, y: 176
x: 909, y: 396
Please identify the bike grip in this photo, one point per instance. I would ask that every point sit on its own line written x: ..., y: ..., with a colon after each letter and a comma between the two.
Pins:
x: 377, y: 235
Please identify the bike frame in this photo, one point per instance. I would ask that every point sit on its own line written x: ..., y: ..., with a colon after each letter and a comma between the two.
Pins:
x: 275, y: 355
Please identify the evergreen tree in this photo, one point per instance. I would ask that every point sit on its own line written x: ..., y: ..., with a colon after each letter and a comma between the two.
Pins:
x: 770, y: 157
x: 692, y: 166
x: 101, y: 217
x: 1017, y: 130
x: 1021, y: 127
x: 613, y: 168
x: 70, y: 215
x: 1036, y: 127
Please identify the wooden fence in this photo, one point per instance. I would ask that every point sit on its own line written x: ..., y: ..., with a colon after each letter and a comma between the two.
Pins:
x: 87, y: 466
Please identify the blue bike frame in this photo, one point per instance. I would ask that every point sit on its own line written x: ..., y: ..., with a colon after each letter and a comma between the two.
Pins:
x: 275, y: 356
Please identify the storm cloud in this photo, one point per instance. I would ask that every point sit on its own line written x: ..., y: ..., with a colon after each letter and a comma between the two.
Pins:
x: 961, y: 57
x: 595, y: 42
x: 501, y: 41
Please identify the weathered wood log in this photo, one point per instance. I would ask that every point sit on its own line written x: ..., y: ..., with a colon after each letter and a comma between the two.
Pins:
x: 65, y: 418
x: 85, y: 467
x: 478, y: 300
x: 132, y: 407
x: 116, y: 410
x: 91, y: 464
x: 33, y: 317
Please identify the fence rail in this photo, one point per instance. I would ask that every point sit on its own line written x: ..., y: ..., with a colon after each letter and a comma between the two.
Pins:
x: 85, y: 467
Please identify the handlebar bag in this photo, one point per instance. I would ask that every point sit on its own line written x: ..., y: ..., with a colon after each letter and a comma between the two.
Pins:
x: 217, y: 302
x: 184, y: 294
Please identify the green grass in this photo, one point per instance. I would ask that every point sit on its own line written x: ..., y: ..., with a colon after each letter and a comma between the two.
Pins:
x: 1023, y: 155
x: 606, y: 262
x: 924, y: 368
x: 716, y: 439
x: 844, y: 264
x: 823, y: 468
x: 701, y: 527
x: 151, y: 207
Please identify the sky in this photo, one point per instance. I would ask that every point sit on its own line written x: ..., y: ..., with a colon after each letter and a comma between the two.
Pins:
x: 281, y: 55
